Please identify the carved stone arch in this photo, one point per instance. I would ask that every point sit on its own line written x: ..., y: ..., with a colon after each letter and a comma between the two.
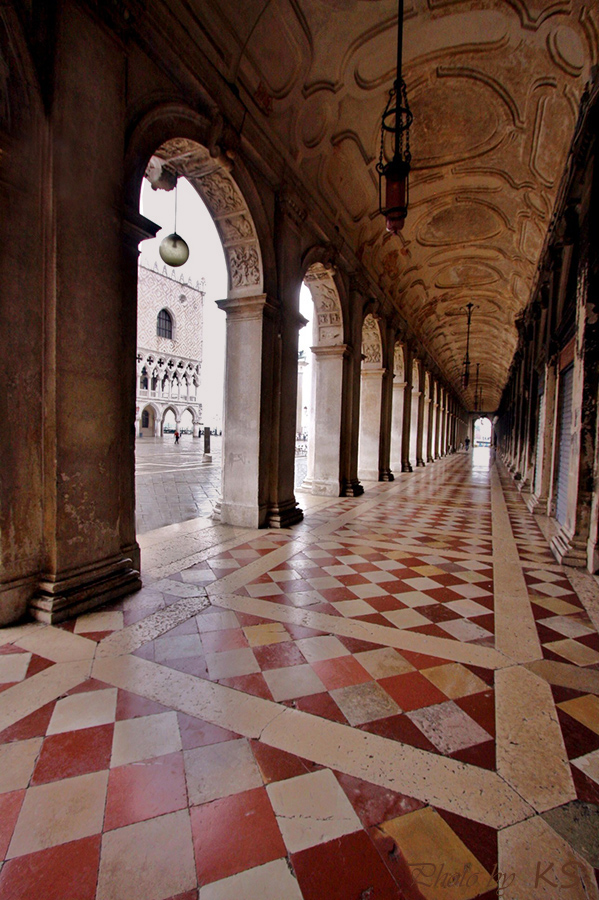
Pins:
x: 194, y: 414
x: 372, y: 344
x: 399, y: 362
x: 416, y: 375
x: 328, y: 328
x: 154, y: 409
x: 175, y: 141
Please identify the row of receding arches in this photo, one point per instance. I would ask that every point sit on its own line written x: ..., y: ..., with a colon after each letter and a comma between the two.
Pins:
x: 375, y: 408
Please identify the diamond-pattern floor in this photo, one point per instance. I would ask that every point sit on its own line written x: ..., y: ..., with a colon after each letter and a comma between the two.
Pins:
x: 322, y: 712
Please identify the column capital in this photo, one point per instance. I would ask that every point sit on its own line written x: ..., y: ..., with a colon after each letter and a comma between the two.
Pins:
x: 343, y: 350
x: 248, y: 307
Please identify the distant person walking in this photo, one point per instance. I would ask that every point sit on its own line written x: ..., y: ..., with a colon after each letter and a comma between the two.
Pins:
x: 467, y: 443
x: 176, y: 437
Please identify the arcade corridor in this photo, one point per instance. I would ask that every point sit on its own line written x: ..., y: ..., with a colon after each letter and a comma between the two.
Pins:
x: 343, y: 710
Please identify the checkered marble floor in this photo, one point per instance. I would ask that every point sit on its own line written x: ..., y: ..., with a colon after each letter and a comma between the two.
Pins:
x: 328, y: 711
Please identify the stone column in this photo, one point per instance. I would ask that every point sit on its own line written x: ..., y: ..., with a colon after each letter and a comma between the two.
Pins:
x: 397, y: 424
x: 301, y: 368
x: 350, y: 419
x: 323, y: 475
x: 385, y: 473
x: 430, y: 415
x: 438, y: 420
x: 251, y: 340
x: 90, y: 553
x: 406, y: 466
x: 420, y: 437
x: 371, y: 395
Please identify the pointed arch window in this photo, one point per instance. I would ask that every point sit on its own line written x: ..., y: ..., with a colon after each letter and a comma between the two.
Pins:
x: 164, y: 324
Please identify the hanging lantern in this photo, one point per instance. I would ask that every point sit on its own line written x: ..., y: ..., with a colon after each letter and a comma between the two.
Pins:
x: 173, y: 249
x: 396, y: 122
x: 466, y: 373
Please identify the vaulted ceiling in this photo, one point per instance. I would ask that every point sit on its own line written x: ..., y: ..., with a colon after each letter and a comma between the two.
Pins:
x: 494, y: 86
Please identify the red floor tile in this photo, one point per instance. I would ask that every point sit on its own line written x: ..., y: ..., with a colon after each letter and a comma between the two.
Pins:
x: 482, y: 755
x: 340, y: 672
x: 578, y: 740
x: 586, y: 788
x: 335, y: 595
x: 277, y: 656
x: 400, y: 728
x: 436, y: 612
x: 66, y: 872
x: 254, y: 684
x: 234, y: 834
x: 355, y: 645
x: 486, y: 675
x: 145, y: 790
x: 277, y: 765
x: 229, y: 639
x: 131, y: 706
x: 412, y: 691
x: 10, y: 807
x: 245, y: 619
x: 89, y: 685
x: 34, y: 725
x: 481, y: 708
x: 480, y: 839
x: 301, y: 631
x: 38, y: 664
x: 374, y: 804
x: 376, y: 619
x: 386, y: 603
x: 197, y: 733
x: 359, y: 871
x: 319, y: 705
x: 423, y: 660
x: 74, y: 753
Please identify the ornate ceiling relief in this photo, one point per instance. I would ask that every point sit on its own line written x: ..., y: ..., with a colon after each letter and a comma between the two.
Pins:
x: 372, y: 348
x: 494, y: 91
x: 328, y: 321
x: 229, y: 210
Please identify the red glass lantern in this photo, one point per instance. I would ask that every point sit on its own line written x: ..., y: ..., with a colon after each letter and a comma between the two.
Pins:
x: 395, y: 130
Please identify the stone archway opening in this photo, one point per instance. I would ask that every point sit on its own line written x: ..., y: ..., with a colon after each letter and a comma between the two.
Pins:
x: 482, y: 432
x: 181, y: 357
x: 320, y: 376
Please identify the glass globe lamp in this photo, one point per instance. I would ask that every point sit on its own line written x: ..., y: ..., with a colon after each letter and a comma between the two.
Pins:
x: 174, y: 250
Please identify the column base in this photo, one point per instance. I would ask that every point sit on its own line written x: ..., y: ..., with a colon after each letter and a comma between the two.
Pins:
x: 320, y: 488
x: 420, y: 464
x: 207, y: 457
x: 285, y: 515
x: 368, y: 474
x: 406, y: 467
x: 386, y: 475
x: 14, y: 599
x: 65, y: 597
x: 430, y: 459
x: 568, y: 551
x: 352, y: 488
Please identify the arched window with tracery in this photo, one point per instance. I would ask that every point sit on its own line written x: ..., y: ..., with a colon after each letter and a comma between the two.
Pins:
x: 164, y: 324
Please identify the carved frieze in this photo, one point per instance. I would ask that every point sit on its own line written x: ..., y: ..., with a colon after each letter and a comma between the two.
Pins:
x: 371, y: 341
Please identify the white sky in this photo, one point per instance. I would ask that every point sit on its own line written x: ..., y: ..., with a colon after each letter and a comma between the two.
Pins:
x: 207, y: 260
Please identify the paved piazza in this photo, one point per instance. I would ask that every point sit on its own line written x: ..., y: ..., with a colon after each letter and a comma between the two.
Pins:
x: 401, y: 690
x: 173, y: 483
